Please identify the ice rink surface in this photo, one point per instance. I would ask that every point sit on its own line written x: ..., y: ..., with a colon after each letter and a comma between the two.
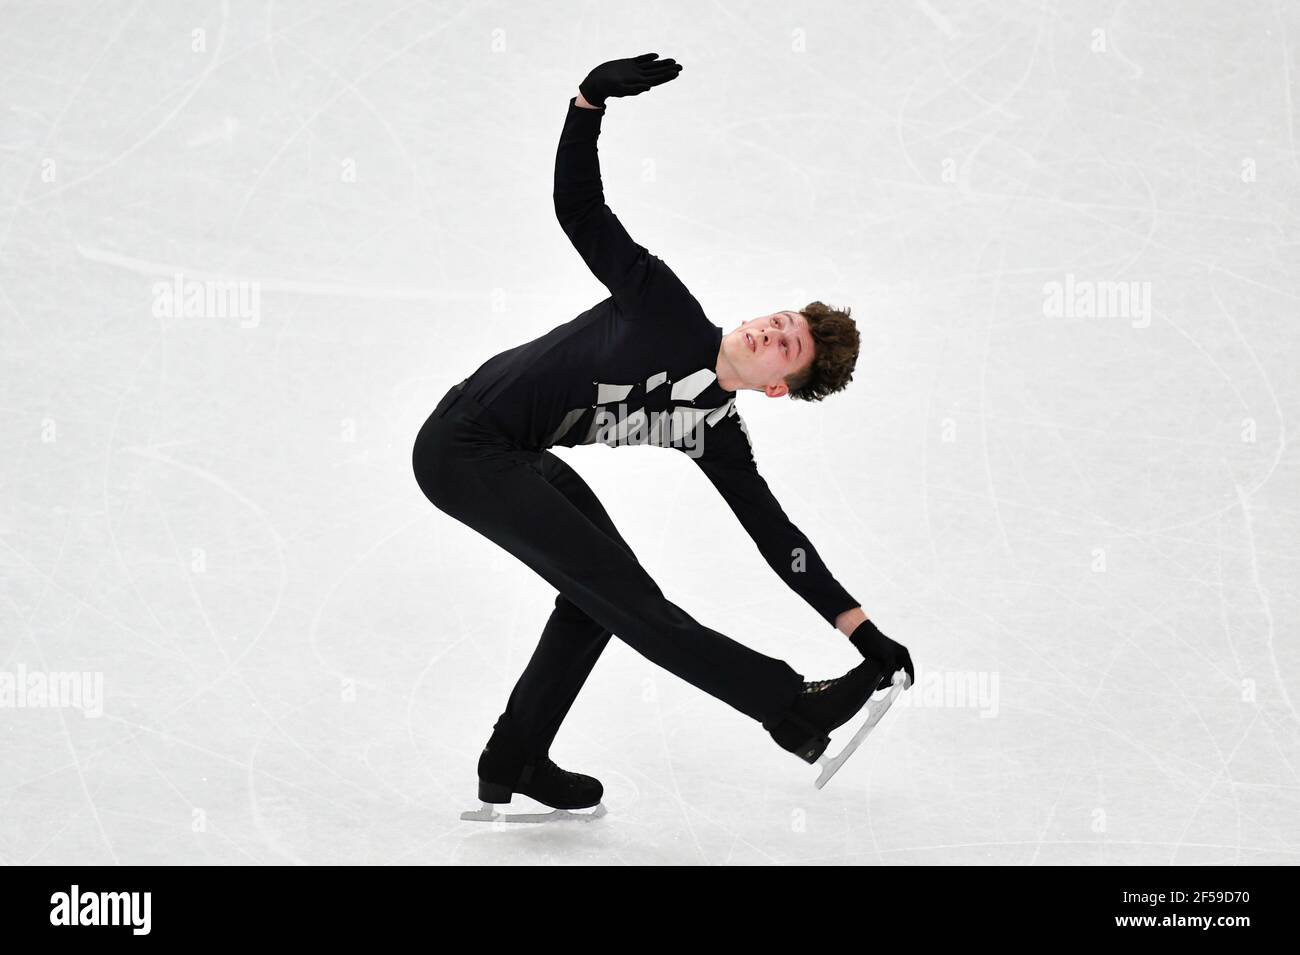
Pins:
x: 1082, y: 521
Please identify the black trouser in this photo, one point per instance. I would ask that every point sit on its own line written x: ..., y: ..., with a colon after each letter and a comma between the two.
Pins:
x: 539, y: 509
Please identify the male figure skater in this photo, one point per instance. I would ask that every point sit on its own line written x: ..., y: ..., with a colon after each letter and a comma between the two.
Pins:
x: 645, y: 365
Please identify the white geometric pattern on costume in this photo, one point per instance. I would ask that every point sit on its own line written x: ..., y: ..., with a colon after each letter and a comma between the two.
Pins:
x: 647, y: 414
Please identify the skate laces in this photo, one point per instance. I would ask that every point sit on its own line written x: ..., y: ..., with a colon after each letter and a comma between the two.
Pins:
x: 817, y: 686
x: 545, y: 766
x: 545, y: 770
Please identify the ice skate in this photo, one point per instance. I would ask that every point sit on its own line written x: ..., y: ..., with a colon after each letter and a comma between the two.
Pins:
x: 825, y: 705
x: 500, y: 779
x: 877, y: 706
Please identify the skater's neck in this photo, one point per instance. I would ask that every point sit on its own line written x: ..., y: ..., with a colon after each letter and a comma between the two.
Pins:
x: 728, y: 380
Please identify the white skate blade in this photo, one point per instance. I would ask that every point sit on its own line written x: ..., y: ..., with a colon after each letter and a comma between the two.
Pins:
x: 488, y: 813
x: 876, y: 708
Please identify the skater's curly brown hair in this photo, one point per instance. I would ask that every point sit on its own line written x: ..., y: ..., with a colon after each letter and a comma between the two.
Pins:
x: 835, y: 353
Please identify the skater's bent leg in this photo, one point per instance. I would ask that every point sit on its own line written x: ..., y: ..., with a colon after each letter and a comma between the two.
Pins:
x: 571, y: 641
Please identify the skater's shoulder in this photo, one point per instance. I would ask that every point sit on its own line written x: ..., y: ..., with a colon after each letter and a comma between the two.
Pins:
x: 664, y: 289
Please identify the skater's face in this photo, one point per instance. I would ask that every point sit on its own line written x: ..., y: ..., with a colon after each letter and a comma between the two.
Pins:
x: 765, y: 351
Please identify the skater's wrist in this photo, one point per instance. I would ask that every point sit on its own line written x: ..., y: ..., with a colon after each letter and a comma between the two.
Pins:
x: 581, y: 100
x: 850, y: 620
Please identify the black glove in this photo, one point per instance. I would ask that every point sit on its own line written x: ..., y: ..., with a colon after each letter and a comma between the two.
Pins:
x: 891, y: 655
x: 627, y: 77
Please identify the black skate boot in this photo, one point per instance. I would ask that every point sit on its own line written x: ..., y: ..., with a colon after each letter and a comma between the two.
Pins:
x: 506, y: 767
x: 550, y: 785
x: 821, y: 706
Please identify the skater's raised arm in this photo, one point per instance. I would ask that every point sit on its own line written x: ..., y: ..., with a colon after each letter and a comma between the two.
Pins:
x: 622, y: 265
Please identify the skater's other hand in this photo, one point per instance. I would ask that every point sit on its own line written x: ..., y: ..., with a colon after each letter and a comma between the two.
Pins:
x: 890, y: 654
x: 627, y: 77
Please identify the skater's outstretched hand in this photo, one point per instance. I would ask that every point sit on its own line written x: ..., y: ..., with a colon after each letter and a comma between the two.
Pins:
x: 627, y: 77
x: 890, y: 654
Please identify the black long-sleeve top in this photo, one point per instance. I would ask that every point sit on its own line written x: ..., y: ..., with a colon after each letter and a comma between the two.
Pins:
x: 640, y: 367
